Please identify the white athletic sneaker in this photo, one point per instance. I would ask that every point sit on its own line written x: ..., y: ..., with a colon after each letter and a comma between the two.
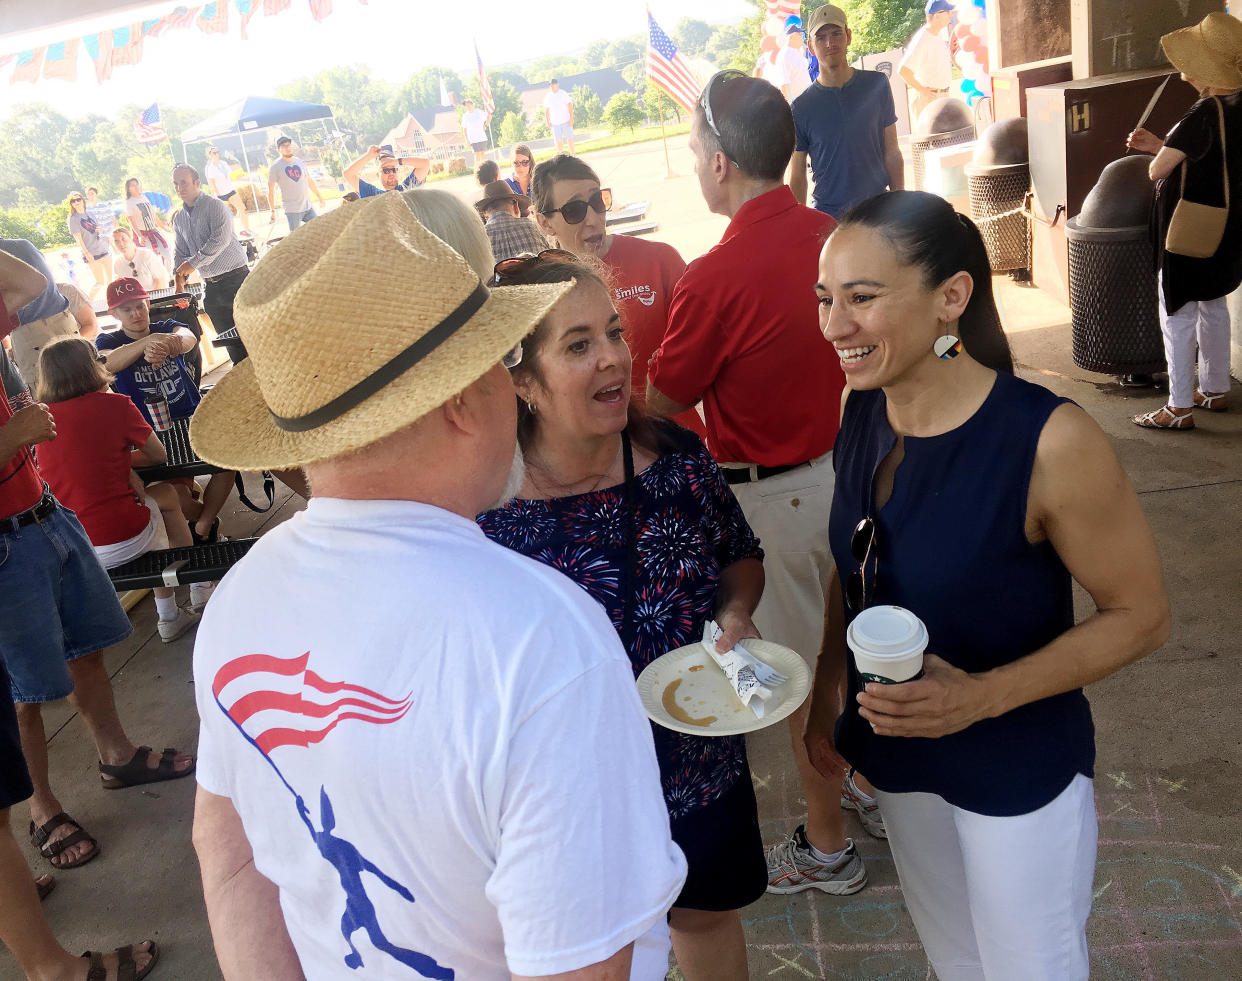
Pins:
x: 792, y: 868
x: 170, y: 630
x: 200, y: 593
x: 868, y: 810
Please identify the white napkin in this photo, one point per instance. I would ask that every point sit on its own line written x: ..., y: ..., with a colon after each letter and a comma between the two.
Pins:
x: 739, y: 667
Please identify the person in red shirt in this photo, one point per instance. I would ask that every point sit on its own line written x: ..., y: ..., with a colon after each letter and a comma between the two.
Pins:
x: 571, y: 207
x: 743, y: 336
x: 89, y: 466
x: 58, y: 612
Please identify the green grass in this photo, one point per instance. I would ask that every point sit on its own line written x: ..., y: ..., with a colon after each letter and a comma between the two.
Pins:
x: 641, y: 134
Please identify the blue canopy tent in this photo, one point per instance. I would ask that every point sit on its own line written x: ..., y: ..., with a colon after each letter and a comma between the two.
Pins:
x: 235, y: 126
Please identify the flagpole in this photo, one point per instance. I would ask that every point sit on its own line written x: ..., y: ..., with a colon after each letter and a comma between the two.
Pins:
x: 668, y: 167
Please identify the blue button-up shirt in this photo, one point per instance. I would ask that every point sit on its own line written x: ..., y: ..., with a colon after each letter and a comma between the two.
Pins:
x: 205, y: 237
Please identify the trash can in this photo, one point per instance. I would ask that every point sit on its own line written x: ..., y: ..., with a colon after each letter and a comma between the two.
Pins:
x: 1112, y: 278
x: 946, y: 122
x: 999, y: 177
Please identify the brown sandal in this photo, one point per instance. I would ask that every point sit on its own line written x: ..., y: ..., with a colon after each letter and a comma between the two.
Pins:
x: 126, y: 967
x: 136, y: 772
x: 41, y: 839
x: 44, y: 884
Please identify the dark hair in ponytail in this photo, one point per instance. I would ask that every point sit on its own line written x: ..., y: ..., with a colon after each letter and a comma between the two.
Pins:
x: 928, y: 233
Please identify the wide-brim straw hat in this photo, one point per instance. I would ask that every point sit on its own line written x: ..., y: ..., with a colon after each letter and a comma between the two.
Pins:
x: 356, y: 325
x: 1210, y: 52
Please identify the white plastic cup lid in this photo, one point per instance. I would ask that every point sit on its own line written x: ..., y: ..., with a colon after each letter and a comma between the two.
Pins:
x: 887, y: 633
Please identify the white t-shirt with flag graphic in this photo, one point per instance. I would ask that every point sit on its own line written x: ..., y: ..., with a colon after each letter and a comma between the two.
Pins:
x: 436, y: 749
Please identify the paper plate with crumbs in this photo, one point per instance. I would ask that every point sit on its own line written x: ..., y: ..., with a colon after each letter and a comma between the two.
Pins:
x: 686, y: 691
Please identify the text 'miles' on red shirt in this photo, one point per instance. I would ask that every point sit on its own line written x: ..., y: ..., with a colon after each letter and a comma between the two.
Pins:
x: 744, y: 337
x: 643, y: 275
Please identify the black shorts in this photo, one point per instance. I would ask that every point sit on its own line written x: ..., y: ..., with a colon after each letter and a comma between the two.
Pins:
x: 15, y: 785
x: 225, y: 197
x: 479, y: 147
x: 724, y: 852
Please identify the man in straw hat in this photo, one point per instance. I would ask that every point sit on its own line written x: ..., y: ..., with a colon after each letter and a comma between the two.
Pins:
x: 1205, y: 145
x: 382, y: 689
x: 510, y: 234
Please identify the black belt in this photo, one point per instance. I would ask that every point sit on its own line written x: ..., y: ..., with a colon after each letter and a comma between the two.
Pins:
x: 40, y: 512
x: 231, y: 272
x: 746, y: 475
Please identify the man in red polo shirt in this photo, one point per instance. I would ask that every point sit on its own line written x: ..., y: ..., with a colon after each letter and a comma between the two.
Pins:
x: 571, y: 207
x: 743, y: 336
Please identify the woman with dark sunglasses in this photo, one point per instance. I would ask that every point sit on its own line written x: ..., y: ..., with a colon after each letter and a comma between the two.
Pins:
x: 973, y: 499
x: 523, y: 169
x: 638, y: 514
x: 572, y: 209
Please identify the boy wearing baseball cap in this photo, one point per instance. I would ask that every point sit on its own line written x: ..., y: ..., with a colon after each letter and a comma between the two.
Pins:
x: 927, y: 67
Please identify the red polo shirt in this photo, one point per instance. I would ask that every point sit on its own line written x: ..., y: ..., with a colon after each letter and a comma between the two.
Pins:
x: 642, y: 277
x: 743, y: 336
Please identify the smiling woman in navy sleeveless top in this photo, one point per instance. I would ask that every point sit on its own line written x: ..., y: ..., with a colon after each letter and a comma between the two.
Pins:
x: 972, y: 499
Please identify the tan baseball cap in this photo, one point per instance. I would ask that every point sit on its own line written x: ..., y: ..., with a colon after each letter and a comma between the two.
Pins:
x: 827, y: 14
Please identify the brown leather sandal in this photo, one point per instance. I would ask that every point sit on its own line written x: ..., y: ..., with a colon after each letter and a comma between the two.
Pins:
x: 41, y: 839
x: 136, y: 772
x: 126, y: 967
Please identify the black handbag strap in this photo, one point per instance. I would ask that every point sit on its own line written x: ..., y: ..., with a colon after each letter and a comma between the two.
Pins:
x: 269, y: 489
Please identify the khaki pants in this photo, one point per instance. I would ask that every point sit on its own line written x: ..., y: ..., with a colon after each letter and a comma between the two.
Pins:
x: 789, y: 514
x: 919, y: 102
x: 29, y: 339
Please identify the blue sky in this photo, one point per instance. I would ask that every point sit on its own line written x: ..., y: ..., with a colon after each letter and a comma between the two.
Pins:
x: 393, y: 37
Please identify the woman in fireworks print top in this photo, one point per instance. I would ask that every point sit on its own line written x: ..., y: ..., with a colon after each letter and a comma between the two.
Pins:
x: 638, y: 514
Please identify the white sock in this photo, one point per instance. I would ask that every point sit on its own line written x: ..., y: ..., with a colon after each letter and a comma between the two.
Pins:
x: 825, y: 859
x: 166, y: 607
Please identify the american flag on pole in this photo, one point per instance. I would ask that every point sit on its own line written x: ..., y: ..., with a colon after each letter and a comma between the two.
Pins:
x: 668, y: 70
x: 783, y: 8
x: 149, y: 128
x: 485, y: 89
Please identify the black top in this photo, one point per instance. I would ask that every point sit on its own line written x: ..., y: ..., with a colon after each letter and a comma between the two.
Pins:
x: 1197, y: 134
x: 951, y: 547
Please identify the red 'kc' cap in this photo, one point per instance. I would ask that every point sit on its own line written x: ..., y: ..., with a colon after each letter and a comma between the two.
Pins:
x: 122, y: 291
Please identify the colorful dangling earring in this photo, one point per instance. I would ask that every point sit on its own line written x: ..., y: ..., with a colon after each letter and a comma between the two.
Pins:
x: 947, y: 347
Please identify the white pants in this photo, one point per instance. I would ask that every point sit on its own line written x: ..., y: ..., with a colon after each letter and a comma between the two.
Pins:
x: 789, y: 514
x: 1204, y: 323
x: 998, y: 898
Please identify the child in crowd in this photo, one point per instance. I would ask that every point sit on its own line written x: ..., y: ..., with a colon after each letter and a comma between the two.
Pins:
x: 100, y: 438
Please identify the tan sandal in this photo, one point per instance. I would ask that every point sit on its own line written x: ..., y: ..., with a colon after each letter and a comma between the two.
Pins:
x: 1165, y: 418
x: 1213, y: 403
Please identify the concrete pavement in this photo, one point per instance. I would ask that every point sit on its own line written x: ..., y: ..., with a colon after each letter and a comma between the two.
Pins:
x: 1169, y: 876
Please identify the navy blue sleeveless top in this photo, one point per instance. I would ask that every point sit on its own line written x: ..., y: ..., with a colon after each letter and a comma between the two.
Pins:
x: 951, y: 547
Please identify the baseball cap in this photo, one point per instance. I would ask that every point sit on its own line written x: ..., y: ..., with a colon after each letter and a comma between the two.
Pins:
x: 793, y: 27
x: 283, y: 140
x: 827, y: 14
x: 937, y: 6
x: 122, y: 291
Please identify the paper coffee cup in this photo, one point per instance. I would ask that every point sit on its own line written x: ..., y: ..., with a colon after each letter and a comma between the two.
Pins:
x: 888, y: 644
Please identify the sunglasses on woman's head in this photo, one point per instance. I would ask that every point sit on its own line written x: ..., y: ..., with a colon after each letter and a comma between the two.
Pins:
x: 574, y: 212
x: 861, y: 543
x: 508, y: 268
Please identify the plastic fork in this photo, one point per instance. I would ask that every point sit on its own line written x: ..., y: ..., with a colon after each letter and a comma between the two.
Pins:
x: 765, y: 674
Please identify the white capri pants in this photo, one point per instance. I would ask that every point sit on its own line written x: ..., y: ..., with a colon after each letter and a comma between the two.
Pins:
x: 998, y: 898
x: 789, y: 514
x: 1196, y: 323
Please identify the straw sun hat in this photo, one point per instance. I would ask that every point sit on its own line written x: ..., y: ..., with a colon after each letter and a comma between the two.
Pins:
x: 1210, y: 52
x: 358, y: 324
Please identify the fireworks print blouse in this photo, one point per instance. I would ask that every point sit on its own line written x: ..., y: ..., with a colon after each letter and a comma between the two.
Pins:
x: 688, y: 527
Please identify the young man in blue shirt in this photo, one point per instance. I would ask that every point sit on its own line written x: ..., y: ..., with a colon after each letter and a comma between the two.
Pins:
x: 845, y: 122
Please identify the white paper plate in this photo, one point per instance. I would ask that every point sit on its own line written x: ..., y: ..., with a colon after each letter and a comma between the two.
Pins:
x: 705, y: 691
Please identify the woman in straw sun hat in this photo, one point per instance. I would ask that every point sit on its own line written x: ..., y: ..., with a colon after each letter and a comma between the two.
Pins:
x: 1199, y: 161
x: 341, y: 356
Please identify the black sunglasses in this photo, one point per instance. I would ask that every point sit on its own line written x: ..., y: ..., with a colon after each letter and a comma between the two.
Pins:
x: 388, y: 170
x: 509, y: 268
x: 574, y: 212
x: 521, y: 162
x: 705, y: 100
x: 861, y: 543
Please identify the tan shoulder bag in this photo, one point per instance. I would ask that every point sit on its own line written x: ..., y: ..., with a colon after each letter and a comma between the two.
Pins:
x: 1196, y: 229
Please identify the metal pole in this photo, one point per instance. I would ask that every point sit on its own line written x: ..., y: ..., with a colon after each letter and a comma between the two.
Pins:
x: 668, y: 167
x: 249, y: 176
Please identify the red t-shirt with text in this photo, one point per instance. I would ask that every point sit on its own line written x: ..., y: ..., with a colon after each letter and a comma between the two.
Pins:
x: 87, y: 465
x: 643, y: 275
